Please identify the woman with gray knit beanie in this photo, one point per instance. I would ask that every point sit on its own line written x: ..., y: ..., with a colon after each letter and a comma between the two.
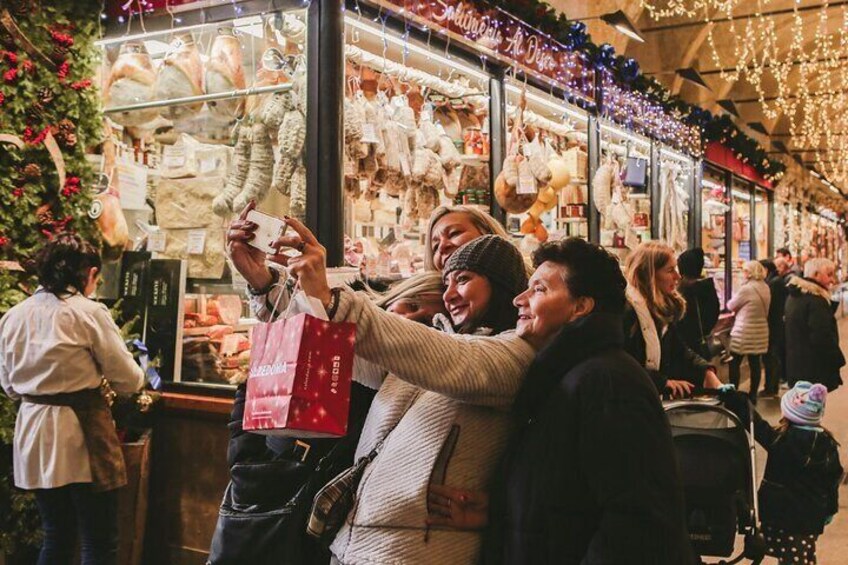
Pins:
x: 432, y: 437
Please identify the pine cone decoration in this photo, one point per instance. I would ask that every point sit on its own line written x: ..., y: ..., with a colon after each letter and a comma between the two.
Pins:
x: 69, y: 140
x: 67, y: 127
x: 35, y: 113
x: 31, y: 171
x: 46, y: 95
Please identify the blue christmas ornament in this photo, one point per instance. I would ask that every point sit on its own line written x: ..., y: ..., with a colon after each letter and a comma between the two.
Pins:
x: 577, y: 36
x: 605, y: 57
x: 628, y: 69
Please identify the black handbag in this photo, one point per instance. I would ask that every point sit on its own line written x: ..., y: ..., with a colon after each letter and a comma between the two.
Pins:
x: 266, y: 505
x: 636, y: 174
x: 711, y: 346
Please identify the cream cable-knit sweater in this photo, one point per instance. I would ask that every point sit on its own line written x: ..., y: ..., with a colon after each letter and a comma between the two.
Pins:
x: 453, y: 385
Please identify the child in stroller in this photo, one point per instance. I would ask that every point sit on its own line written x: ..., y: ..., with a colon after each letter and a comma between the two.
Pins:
x: 799, y: 493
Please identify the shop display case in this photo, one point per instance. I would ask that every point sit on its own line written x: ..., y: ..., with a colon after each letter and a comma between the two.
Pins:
x: 714, y: 216
x: 201, y: 119
x: 676, y: 178
x: 762, y: 216
x: 416, y: 137
x: 621, y: 189
x: 741, y: 247
x: 557, y: 132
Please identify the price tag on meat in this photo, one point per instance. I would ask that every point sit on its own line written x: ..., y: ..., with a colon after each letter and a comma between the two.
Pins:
x: 526, y: 182
x: 196, y: 242
x: 369, y: 133
x: 173, y: 156
x: 156, y: 242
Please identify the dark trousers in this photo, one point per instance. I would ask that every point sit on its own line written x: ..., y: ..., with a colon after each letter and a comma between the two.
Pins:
x: 775, y: 364
x: 65, y: 510
x: 754, y: 365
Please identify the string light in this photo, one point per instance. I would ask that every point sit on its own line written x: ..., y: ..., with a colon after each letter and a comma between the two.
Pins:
x: 808, y: 75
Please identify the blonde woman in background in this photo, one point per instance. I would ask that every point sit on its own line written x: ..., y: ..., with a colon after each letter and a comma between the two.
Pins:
x: 750, y: 333
x: 650, y: 323
x: 451, y: 227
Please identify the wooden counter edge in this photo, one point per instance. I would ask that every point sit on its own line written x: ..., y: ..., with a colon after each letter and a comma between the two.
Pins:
x: 176, y: 401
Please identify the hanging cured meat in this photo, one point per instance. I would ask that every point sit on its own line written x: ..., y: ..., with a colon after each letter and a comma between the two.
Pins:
x: 106, y: 210
x: 181, y: 76
x: 131, y: 81
x: 225, y: 73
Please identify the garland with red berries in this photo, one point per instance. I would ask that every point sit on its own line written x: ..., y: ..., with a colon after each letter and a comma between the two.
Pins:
x: 47, y: 104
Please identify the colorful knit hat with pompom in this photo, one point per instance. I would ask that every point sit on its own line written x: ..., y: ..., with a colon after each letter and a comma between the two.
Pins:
x: 804, y: 403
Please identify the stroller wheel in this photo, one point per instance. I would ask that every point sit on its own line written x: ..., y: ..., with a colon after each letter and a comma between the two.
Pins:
x: 755, y: 546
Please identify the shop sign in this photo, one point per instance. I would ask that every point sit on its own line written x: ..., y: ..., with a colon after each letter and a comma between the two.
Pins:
x: 723, y: 156
x: 495, y: 32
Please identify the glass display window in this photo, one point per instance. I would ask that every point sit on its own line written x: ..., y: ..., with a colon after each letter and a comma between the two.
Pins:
x: 676, y: 172
x: 554, y: 134
x: 201, y: 120
x: 416, y: 137
x: 714, y: 214
x: 621, y: 189
x: 762, y: 215
x: 741, y: 244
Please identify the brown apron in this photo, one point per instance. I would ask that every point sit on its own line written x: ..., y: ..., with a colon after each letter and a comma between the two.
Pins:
x: 108, y: 470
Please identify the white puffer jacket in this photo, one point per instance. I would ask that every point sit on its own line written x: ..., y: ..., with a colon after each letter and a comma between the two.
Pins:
x: 750, y: 333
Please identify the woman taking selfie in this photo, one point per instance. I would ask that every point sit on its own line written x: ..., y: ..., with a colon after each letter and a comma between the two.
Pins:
x: 593, y: 502
x: 57, y: 346
x: 650, y: 323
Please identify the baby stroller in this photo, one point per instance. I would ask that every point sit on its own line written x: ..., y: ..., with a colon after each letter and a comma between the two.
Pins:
x: 719, y: 468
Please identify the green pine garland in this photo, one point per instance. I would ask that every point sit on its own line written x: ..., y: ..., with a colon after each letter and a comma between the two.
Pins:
x: 45, y: 90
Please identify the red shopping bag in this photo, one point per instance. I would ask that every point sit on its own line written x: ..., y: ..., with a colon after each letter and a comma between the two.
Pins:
x: 300, y: 375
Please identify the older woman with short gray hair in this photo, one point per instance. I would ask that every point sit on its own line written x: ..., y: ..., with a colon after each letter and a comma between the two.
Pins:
x: 750, y: 334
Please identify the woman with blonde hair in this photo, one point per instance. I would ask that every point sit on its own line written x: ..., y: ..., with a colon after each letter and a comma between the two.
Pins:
x: 750, y: 333
x: 451, y: 227
x: 650, y: 323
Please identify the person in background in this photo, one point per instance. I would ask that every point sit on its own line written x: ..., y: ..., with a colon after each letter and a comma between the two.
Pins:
x: 799, y: 493
x: 654, y: 307
x: 56, y: 348
x: 750, y: 333
x: 453, y: 226
x: 812, y: 337
x: 775, y: 359
x: 418, y: 298
x: 791, y: 265
x: 702, y: 305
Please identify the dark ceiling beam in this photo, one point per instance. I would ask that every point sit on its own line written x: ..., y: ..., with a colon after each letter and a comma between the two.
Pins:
x: 790, y: 97
x: 787, y: 134
x: 766, y: 66
x: 781, y: 12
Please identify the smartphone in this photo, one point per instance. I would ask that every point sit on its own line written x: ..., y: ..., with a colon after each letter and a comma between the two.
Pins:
x: 269, y: 230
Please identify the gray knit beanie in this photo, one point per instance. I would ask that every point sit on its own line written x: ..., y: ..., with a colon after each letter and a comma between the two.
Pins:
x: 493, y: 257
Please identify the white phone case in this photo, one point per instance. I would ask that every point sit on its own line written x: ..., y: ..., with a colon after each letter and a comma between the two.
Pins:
x: 268, y: 231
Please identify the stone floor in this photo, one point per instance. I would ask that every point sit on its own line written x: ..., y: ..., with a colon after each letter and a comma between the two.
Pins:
x: 833, y: 544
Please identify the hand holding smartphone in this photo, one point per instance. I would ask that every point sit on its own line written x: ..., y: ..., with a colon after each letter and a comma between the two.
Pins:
x: 269, y: 229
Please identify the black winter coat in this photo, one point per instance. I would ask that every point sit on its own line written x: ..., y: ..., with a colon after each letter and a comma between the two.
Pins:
x: 800, y: 487
x: 591, y: 475
x: 812, y: 338
x: 777, y: 309
x: 678, y: 360
x: 702, y: 310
